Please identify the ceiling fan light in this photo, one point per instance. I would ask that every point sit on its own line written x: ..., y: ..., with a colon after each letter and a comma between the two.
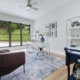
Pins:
x: 28, y: 8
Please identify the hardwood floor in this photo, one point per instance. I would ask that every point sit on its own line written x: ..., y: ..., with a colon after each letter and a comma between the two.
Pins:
x: 61, y: 73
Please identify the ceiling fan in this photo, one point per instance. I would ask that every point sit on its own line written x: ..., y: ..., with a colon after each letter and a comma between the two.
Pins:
x: 30, y: 6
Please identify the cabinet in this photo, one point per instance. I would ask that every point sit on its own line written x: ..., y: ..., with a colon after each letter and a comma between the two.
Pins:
x: 73, y: 32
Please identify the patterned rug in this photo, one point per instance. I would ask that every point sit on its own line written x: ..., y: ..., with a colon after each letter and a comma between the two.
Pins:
x: 37, y: 67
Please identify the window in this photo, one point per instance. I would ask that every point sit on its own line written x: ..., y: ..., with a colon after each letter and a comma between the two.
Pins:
x: 25, y: 34
x: 13, y: 34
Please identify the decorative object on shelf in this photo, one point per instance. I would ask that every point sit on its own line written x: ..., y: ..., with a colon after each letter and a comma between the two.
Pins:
x: 51, y: 29
x: 75, y: 23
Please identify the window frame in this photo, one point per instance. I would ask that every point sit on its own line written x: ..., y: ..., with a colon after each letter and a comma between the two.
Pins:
x: 10, y: 35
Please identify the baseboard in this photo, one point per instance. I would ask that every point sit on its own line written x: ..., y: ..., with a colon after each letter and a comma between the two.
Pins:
x: 56, y: 54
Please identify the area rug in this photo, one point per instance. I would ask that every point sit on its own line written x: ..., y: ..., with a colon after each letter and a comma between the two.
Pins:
x: 37, y: 67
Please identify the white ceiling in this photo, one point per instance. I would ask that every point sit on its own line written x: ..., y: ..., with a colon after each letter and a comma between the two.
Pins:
x: 13, y: 7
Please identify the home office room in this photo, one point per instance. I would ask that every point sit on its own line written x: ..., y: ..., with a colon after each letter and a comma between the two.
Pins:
x: 39, y: 40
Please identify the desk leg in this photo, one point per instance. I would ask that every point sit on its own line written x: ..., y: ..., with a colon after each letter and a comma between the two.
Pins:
x: 68, y: 76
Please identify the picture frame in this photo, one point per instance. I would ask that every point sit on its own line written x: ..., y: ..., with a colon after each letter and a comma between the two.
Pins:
x: 51, y: 29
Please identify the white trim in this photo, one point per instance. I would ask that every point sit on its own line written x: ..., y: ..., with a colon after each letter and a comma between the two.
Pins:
x: 57, y: 52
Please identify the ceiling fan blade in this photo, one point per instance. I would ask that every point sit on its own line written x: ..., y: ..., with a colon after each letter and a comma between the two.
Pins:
x: 34, y: 8
x: 29, y: 5
x: 35, y: 3
x: 29, y: 1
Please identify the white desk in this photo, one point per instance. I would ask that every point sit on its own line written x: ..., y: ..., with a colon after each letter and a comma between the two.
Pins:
x: 42, y: 46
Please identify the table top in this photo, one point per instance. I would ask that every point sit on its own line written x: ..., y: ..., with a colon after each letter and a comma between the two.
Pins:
x: 73, y: 50
x: 42, y: 45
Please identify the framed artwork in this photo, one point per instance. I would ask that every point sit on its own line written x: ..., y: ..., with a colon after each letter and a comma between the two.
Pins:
x: 51, y: 29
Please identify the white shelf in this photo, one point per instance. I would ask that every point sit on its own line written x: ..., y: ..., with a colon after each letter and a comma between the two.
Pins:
x: 73, y: 37
x: 74, y: 28
x: 73, y: 31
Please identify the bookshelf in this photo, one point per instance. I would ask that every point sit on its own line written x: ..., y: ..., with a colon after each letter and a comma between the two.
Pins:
x: 73, y: 32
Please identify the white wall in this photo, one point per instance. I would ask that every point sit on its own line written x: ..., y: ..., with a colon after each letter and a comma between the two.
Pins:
x: 8, y: 17
x: 60, y: 15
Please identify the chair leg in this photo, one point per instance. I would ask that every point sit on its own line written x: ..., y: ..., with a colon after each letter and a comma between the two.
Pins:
x: 24, y: 68
x: 0, y: 77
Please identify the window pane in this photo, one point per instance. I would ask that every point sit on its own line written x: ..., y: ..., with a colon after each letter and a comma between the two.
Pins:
x: 4, y: 35
x: 15, y: 28
x: 4, y: 40
x: 15, y: 40
x: 24, y: 39
x: 16, y: 31
x: 25, y: 34
x: 25, y: 30
x: 15, y: 34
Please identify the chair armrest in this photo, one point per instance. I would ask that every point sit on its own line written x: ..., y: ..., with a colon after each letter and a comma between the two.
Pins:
x: 4, y: 51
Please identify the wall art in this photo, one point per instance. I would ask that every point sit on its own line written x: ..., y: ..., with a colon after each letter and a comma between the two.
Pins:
x: 51, y: 29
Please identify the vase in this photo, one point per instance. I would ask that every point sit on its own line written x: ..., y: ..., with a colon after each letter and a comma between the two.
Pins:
x: 42, y: 39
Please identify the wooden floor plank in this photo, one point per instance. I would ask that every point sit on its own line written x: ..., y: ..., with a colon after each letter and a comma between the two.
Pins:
x: 58, y: 74
x: 61, y: 73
